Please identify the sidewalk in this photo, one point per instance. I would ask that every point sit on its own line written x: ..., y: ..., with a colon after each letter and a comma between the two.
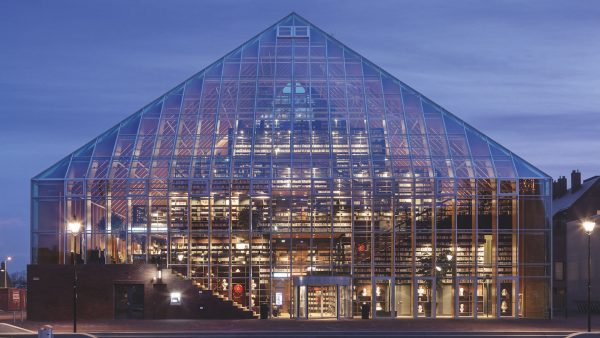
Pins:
x: 10, y: 316
x: 573, y: 324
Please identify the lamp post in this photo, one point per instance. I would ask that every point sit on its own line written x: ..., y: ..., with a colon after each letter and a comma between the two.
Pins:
x: 589, y: 226
x: 74, y: 227
x: 8, y: 259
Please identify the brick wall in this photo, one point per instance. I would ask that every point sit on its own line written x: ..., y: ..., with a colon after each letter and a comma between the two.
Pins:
x: 50, y: 291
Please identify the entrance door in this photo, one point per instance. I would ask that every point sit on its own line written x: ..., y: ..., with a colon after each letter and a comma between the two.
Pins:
x: 465, y: 298
x: 322, y: 301
x: 403, y: 295
x: 507, y: 295
x: 382, y: 297
x: 129, y: 301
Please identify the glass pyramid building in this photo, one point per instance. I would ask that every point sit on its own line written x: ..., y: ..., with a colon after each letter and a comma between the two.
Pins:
x: 294, y: 172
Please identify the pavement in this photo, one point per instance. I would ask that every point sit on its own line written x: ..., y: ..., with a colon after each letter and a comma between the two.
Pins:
x: 183, y: 328
x: 293, y: 334
x: 6, y: 328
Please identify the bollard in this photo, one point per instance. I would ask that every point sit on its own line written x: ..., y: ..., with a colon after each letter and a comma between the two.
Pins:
x: 45, y: 332
x: 264, y: 311
x: 364, y: 311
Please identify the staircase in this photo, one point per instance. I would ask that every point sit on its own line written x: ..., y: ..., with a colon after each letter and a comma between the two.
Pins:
x: 215, y: 306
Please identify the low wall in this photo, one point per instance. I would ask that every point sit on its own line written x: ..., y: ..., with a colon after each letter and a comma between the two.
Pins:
x: 50, y: 291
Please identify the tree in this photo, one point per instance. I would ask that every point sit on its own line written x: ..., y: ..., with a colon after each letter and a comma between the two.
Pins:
x: 18, y: 279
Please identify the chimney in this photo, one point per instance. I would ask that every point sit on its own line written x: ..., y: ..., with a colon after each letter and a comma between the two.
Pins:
x: 562, y: 185
x: 559, y: 187
x: 575, y: 180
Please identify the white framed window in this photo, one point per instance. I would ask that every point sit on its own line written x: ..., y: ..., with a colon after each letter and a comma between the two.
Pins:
x: 293, y: 32
x: 285, y: 31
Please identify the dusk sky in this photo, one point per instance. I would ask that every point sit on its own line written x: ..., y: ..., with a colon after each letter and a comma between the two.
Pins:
x: 525, y: 73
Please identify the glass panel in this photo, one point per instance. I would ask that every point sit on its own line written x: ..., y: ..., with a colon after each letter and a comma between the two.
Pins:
x: 486, y: 303
x: 361, y: 296
x: 46, y: 249
x: 507, y: 297
x: 282, y: 300
x: 295, y: 156
x: 466, y: 298
x: 424, y: 294
x: 345, y: 301
x: 444, y: 298
x: 322, y: 301
x: 404, y: 298
x: 383, y: 298
x: 302, y: 301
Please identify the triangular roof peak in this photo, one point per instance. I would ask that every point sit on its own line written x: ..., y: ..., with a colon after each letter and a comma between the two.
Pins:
x: 451, y: 147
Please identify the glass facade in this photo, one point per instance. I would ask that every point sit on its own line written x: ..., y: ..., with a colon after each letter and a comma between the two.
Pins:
x: 295, y: 156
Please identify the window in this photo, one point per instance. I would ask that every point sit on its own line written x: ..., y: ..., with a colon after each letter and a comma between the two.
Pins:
x: 285, y: 32
x: 301, y: 31
x: 293, y: 32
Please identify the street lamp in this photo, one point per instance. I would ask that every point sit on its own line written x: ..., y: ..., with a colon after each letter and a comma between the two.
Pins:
x: 74, y: 227
x: 8, y: 259
x: 588, y: 227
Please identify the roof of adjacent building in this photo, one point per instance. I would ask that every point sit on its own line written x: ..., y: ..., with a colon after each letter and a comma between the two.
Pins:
x: 569, y: 198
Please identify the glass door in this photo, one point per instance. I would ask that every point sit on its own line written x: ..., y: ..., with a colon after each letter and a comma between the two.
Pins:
x: 301, y: 303
x: 281, y: 300
x: 382, y: 297
x: 345, y: 303
x: 424, y: 295
x: 507, y: 292
x: 465, y: 298
x: 403, y: 298
x: 322, y: 301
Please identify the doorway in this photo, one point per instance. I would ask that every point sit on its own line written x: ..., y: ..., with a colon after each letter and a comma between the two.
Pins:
x: 320, y: 297
x: 322, y: 301
x: 129, y: 301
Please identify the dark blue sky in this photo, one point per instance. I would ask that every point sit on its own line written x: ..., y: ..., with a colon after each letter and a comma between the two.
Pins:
x: 526, y: 73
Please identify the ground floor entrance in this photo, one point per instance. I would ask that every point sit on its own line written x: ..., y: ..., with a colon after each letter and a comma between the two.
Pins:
x: 320, y: 297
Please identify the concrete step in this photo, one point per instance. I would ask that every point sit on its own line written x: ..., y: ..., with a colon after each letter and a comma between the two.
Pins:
x: 216, y: 306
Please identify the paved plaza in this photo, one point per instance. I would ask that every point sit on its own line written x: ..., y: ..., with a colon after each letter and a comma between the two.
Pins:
x: 558, y: 327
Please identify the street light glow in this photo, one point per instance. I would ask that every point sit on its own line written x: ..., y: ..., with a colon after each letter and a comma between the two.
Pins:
x: 74, y: 227
x: 589, y: 226
x: 9, y: 258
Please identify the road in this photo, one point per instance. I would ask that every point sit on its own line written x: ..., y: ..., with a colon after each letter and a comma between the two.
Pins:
x: 335, y: 334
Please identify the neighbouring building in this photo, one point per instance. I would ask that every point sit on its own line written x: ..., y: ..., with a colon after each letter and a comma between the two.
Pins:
x: 570, y: 208
x: 294, y: 173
